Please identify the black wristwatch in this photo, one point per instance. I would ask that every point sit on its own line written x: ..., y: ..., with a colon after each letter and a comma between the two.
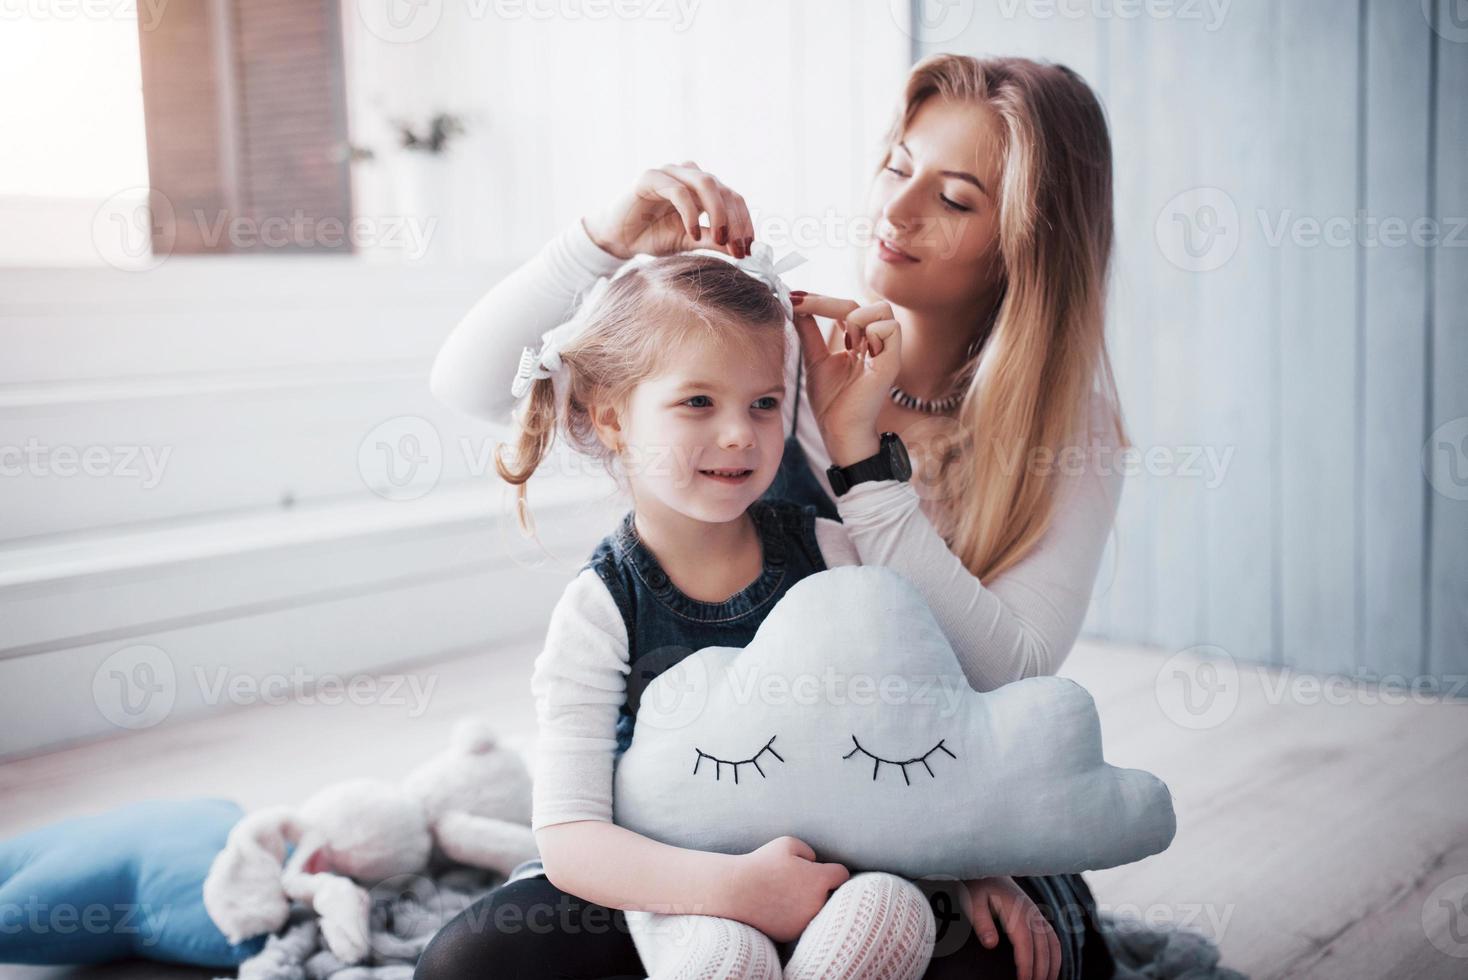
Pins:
x: 889, y: 463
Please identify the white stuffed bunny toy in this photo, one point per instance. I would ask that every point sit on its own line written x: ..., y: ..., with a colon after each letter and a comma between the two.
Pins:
x: 472, y: 800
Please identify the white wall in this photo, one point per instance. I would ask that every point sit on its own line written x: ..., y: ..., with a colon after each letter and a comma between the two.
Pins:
x: 785, y: 102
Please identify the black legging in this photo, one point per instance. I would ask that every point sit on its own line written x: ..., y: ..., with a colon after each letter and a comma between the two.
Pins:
x: 531, y: 930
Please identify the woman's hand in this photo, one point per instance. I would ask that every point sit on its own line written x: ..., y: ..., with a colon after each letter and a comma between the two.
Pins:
x: 781, y: 886
x: 848, y: 376
x: 1036, y: 948
x: 659, y: 215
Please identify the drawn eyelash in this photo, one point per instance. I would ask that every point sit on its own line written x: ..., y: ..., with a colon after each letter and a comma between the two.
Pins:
x: 752, y: 760
x: 877, y: 763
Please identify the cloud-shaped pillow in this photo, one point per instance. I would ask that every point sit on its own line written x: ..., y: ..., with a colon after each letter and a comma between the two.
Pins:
x: 848, y: 723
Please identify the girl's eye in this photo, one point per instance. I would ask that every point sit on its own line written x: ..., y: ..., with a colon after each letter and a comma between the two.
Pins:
x: 877, y: 761
x: 759, y: 403
x: 894, y: 170
x: 753, y: 760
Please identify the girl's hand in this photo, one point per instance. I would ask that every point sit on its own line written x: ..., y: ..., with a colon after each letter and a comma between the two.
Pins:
x: 781, y: 886
x: 1036, y: 948
x: 659, y: 215
x: 848, y: 376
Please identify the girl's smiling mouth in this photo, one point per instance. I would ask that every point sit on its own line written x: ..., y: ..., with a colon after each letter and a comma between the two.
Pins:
x: 727, y: 476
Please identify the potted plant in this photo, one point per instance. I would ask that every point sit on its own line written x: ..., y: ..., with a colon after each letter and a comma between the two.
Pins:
x: 421, y: 169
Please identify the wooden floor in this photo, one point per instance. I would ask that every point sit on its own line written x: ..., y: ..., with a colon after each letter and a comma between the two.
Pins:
x: 1319, y: 833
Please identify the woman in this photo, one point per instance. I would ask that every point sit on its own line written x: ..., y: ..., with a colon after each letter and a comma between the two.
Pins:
x: 993, y: 227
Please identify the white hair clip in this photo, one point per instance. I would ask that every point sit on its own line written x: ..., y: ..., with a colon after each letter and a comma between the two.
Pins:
x: 546, y: 362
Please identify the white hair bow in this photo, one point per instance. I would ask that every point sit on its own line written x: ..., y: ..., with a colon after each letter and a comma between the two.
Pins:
x: 760, y: 263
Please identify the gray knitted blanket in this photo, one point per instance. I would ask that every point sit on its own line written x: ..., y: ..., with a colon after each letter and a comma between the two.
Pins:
x: 407, y: 912
x: 1145, y: 953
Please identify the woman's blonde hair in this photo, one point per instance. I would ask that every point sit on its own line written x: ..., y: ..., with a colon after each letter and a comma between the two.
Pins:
x: 647, y: 311
x: 1029, y: 377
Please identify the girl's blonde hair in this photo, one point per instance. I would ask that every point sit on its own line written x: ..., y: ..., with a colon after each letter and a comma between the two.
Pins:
x: 647, y: 311
x: 1028, y: 381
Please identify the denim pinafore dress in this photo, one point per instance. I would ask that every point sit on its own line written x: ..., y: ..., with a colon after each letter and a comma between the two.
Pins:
x: 664, y: 625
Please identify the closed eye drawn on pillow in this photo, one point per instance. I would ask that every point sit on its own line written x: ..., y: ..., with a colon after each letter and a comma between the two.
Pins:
x: 720, y: 763
x: 877, y: 763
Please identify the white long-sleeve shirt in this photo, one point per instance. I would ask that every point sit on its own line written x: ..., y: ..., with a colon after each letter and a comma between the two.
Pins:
x: 1021, y: 624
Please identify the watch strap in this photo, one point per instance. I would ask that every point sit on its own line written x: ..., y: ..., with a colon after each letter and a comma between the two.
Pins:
x: 878, y: 466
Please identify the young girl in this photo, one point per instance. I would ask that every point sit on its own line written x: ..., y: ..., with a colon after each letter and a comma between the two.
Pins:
x: 674, y: 374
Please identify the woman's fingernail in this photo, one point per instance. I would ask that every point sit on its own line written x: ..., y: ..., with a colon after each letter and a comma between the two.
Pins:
x: 739, y: 252
x: 847, y: 337
x: 797, y: 296
x: 698, y: 233
x: 722, y: 237
x: 749, y: 244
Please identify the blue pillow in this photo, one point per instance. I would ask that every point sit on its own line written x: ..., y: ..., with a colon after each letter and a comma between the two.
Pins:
x: 127, y: 882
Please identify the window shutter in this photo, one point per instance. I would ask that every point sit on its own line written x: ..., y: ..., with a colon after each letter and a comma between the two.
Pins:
x: 247, y: 129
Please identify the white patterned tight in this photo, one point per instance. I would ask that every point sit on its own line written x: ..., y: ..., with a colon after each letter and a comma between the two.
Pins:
x: 876, y: 926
